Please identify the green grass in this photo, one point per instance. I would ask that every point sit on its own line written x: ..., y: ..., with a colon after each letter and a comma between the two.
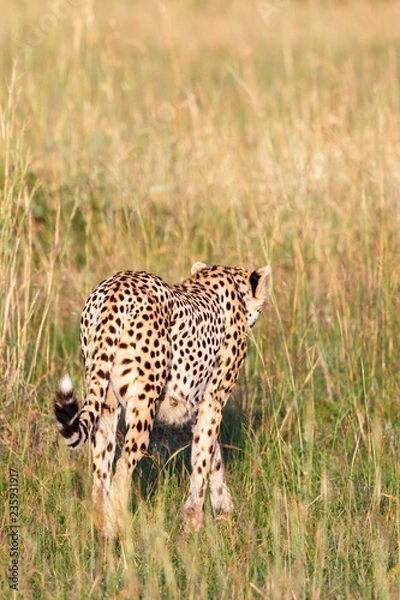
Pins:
x: 150, y: 136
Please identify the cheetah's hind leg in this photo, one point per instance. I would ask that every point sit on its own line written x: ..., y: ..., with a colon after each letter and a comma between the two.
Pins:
x: 139, y: 418
x: 137, y: 388
x: 103, y: 450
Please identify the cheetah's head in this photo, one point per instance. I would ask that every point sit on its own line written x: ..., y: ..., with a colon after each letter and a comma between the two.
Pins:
x: 251, y: 286
x: 255, y: 294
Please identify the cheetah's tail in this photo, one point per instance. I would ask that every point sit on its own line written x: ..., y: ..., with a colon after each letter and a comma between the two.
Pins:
x: 66, y: 410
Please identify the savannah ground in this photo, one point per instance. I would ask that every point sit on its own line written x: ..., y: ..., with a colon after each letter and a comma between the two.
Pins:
x: 150, y: 135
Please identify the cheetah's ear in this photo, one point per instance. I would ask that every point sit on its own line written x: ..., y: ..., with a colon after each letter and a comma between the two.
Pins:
x: 258, y: 280
x: 197, y: 267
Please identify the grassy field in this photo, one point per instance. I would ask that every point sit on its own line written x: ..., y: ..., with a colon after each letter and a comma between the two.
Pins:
x: 150, y: 135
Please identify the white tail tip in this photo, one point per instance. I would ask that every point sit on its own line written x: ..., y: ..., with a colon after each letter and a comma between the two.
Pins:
x: 65, y: 385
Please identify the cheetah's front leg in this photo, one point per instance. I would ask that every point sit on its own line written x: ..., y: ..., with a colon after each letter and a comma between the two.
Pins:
x: 205, y: 432
x: 221, y: 498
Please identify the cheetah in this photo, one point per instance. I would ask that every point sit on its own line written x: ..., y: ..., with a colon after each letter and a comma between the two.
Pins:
x: 163, y: 352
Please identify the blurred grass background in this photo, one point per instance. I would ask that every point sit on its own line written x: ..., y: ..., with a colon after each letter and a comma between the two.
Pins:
x: 150, y: 135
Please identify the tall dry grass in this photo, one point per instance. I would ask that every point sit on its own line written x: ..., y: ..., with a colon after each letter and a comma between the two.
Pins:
x: 152, y: 135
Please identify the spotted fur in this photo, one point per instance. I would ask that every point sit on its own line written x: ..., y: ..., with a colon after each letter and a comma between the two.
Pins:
x: 166, y: 352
